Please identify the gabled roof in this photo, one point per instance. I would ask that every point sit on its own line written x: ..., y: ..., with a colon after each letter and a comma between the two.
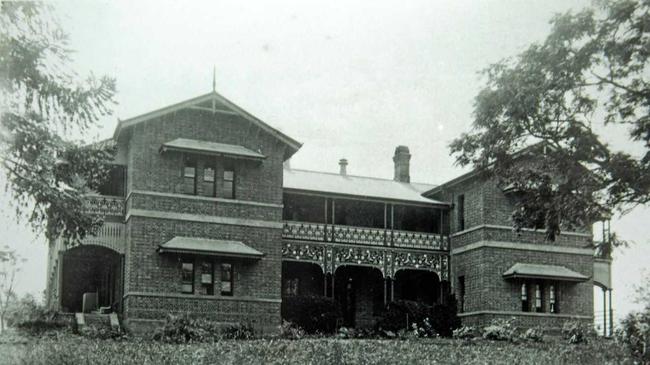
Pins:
x: 210, y: 148
x: 210, y: 101
x: 357, y: 186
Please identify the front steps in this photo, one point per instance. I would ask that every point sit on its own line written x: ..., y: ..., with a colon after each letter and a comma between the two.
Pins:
x: 97, y: 320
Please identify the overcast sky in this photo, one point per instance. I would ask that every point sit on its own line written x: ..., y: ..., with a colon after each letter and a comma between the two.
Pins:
x: 347, y: 79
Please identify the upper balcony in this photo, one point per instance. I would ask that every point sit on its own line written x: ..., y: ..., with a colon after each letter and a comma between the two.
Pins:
x: 364, y: 222
x: 104, y: 205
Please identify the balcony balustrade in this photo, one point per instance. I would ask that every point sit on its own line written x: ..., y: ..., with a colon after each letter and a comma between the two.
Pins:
x: 364, y: 236
x: 111, y: 235
x: 104, y: 205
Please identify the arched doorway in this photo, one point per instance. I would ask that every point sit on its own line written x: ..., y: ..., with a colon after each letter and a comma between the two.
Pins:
x: 302, y: 278
x: 360, y: 293
x: 91, y: 269
x: 417, y: 285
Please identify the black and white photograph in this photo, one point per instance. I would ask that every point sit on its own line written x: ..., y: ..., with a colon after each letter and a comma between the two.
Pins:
x: 325, y: 182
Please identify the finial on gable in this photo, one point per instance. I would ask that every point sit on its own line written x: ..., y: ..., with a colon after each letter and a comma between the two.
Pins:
x: 214, y: 79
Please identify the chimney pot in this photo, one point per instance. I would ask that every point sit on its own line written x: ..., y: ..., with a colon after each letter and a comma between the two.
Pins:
x: 402, y: 159
x: 343, y: 164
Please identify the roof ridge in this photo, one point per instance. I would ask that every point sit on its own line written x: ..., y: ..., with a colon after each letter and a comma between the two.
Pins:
x: 359, y: 176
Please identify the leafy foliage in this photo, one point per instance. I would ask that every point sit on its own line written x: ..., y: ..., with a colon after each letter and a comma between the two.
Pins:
x: 535, y: 334
x: 590, y: 71
x: 41, y: 102
x: 440, y: 319
x: 500, y: 330
x: 9, y: 268
x: 238, y: 332
x: 577, y: 332
x: 314, y: 314
x: 80, y: 350
x: 634, y: 333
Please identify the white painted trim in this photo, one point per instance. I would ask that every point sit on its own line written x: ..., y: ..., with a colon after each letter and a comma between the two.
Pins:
x: 528, y: 314
x: 203, y: 297
x: 524, y: 247
x: 202, y: 218
x: 203, y: 198
x: 494, y: 226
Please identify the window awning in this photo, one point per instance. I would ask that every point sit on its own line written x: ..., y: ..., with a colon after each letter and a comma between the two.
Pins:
x: 535, y: 271
x: 210, y: 148
x: 212, y: 247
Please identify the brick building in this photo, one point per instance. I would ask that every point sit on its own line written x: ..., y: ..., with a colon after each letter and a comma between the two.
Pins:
x: 204, y: 215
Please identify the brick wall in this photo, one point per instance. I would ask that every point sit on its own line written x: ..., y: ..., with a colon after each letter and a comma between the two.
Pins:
x: 153, y: 281
x: 487, y: 294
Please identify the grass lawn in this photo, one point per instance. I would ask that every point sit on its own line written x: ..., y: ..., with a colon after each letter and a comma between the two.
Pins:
x: 73, y: 349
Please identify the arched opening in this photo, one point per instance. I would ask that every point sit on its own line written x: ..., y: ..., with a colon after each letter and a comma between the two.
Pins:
x: 302, y: 278
x: 360, y: 292
x: 92, y: 270
x: 417, y: 285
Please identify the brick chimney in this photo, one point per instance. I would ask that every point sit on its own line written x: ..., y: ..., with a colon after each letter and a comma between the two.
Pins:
x: 402, y: 160
x: 343, y: 164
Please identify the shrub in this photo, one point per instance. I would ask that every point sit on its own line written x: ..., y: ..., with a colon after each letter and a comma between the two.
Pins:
x: 290, y: 331
x: 183, y: 329
x: 500, y: 330
x: 314, y: 314
x: 401, y: 314
x: 238, y: 332
x: 535, y: 334
x: 441, y: 319
x: 576, y: 332
x: 103, y: 333
x: 31, y: 318
x: 635, y: 334
x: 464, y: 332
x: 444, y: 317
x: 424, y: 329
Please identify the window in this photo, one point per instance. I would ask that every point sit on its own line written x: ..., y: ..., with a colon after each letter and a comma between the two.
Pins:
x: 524, y: 298
x: 461, y: 293
x: 189, y: 176
x: 207, y: 278
x: 228, y: 190
x: 552, y: 299
x: 461, y: 212
x: 187, y: 276
x: 209, y: 180
x: 226, y: 279
x: 538, y: 298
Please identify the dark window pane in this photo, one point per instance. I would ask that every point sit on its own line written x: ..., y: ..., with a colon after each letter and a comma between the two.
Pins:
x: 187, y: 277
x: 226, y: 279
x: 208, y: 181
x: 207, y: 277
x: 189, y: 176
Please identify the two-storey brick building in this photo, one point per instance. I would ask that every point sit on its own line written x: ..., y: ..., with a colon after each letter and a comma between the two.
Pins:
x: 203, y: 215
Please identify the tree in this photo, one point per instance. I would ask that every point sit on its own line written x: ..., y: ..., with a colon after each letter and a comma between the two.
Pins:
x: 41, y: 102
x: 9, y: 267
x: 590, y: 72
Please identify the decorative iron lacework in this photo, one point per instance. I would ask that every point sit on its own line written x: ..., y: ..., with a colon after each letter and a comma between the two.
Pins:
x: 387, y: 260
x: 418, y: 260
x: 103, y: 205
x: 351, y: 234
x: 304, y: 231
x: 359, y: 256
x: 432, y: 241
x: 364, y: 236
x: 304, y: 252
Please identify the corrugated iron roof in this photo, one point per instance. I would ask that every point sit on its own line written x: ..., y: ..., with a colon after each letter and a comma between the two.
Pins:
x: 359, y: 186
x: 213, y: 148
x: 537, y: 271
x: 207, y: 246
